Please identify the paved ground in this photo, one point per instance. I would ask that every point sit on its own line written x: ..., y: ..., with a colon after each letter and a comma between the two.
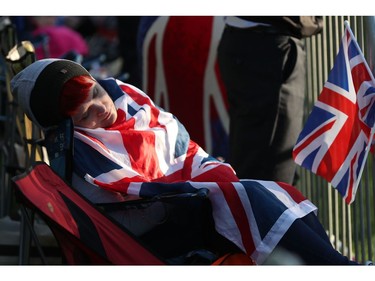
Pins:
x: 10, y: 241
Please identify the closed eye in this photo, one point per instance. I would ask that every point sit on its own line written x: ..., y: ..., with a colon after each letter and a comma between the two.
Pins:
x: 95, y: 93
x: 85, y: 117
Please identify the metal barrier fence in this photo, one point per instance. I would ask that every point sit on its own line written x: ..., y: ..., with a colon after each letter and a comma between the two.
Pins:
x: 351, y: 228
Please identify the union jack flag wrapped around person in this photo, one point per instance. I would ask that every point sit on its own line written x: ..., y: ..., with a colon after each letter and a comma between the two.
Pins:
x: 338, y: 133
x: 147, y: 152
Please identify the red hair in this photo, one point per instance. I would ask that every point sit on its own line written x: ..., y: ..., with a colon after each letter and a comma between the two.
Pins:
x: 74, y: 92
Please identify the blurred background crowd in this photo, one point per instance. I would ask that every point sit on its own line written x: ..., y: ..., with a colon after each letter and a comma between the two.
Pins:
x: 104, y: 44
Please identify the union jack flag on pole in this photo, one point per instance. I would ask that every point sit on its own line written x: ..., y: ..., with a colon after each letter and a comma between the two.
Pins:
x: 337, y: 136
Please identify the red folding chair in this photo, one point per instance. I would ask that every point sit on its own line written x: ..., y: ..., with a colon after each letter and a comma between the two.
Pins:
x: 85, y: 235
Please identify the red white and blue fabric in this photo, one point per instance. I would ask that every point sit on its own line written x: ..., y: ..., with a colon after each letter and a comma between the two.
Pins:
x: 166, y: 66
x: 333, y: 143
x: 148, y: 152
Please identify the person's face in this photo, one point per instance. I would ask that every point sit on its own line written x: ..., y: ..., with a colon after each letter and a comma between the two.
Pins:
x: 97, y: 111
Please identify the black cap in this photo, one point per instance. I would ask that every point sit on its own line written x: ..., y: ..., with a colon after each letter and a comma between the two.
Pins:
x: 45, y: 96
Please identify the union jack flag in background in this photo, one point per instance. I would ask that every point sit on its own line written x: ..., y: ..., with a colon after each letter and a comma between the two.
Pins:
x: 337, y: 135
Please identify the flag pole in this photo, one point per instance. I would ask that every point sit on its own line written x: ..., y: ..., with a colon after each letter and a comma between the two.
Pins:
x: 347, y: 25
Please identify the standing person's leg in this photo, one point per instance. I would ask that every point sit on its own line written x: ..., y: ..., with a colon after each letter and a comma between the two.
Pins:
x: 288, y: 123
x: 251, y: 66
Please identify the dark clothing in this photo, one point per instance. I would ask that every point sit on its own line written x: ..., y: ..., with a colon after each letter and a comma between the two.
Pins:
x: 127, y: 34
x: 264, y: 75
x: 306, y: 239
x: 318, y: 250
